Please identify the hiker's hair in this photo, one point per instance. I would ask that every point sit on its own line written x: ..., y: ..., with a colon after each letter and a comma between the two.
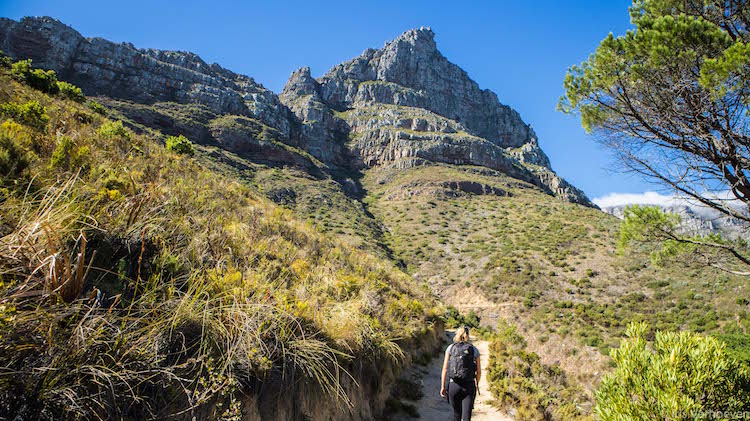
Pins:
x: 462, y: 334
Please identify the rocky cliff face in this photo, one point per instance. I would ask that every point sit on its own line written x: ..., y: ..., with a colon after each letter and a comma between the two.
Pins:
x: 417, y: 75
x: 407, y: 100
x: 101, y: 67
x: 385, y: 107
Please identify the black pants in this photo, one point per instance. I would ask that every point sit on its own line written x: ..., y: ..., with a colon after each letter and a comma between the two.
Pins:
x: 461, y: 397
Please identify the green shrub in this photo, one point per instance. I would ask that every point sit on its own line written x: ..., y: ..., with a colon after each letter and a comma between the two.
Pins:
x: 454, y: 319
x: 113, y: 129
x: 681, y: 374
x: 13, y: 157
x: 5, y: 61
x: 70, y: 91
x: 66, y: 155
x: 180, y: 144
x: 20, y: 70
x: 737, y: 341
x: 97, y: 108
x: 472, y: 319
x: 31, y: 114
x: 45, y: 81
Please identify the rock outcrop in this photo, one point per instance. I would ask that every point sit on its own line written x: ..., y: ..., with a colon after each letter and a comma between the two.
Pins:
x: 400, y: 104
x: 121, y: 71
x: 410, y: 71
x: 407, y: 100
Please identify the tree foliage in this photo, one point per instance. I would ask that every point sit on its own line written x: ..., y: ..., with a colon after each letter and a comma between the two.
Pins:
x: 680, y: 376
x: 671, y: 98
x: 181, y: 145
x: 660, y: 231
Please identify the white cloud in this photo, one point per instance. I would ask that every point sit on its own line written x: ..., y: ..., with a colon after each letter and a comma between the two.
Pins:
x: 646, y: 198
x: 658, y: 199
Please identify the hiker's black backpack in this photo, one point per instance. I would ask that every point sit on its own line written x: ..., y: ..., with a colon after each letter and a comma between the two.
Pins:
x: 462, y: 365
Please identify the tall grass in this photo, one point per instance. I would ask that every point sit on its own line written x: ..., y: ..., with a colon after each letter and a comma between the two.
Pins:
x: 171, y: 350
x: 35, y: 247
x: 142, y: 283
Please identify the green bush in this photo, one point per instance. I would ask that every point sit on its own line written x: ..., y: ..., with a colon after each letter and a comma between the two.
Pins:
x: 70, y: 91
x: 60, y: 156
x: 20, y: 70
x: 31, y: 114
x: 113, y: 129
x: 45, y: 81
x: 737, y: 341
x: 682, y: 374
x: 97, y: 108
x: 453, y: 318
x: 5, y: 61
x: 180, y: 144
x: 13, y: 157
x: 67, y: 155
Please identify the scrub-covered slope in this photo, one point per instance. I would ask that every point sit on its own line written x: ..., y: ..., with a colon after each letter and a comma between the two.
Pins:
x: 138, y: 282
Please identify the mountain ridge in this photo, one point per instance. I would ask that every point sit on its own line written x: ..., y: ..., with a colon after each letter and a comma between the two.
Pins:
x: 408, y: 71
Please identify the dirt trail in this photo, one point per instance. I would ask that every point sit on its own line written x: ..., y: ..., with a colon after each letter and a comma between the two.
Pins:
x: 433, y: 407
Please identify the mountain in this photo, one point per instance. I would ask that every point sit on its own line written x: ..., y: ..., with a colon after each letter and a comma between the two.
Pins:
x: 406, y: 104
x: 343, y: 215
x: 700, y: 221
x: 168, y: 287
x: 400, y: 105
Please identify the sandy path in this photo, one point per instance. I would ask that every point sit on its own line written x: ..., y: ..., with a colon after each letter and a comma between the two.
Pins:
x: 483, y: 411
x: 433, y: 407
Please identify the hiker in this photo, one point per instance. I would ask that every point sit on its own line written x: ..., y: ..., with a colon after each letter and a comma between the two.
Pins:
x: 464, y: 370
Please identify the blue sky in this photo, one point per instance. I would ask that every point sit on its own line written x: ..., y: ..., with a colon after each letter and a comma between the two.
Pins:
x: 518, y: 49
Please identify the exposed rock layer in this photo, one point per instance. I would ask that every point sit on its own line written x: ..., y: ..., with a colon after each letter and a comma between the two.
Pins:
x: 101, y: 67
x: 407, y: 100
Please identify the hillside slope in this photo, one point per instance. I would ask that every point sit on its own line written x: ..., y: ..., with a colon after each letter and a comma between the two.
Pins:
x: 388, y: 181
x: 136, y: 281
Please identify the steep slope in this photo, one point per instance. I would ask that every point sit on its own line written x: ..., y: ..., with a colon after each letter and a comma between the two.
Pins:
x: 398, y: 153
x: 139, y: 282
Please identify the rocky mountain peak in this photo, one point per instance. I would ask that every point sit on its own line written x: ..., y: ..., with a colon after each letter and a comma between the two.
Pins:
x: 301, y: 83
x: 421, y: 39
x: 412, y: 72
x: 407, y: 100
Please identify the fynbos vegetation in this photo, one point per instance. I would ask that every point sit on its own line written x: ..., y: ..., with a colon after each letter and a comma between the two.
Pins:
x: 181, y: 242
x: 138, y: 282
